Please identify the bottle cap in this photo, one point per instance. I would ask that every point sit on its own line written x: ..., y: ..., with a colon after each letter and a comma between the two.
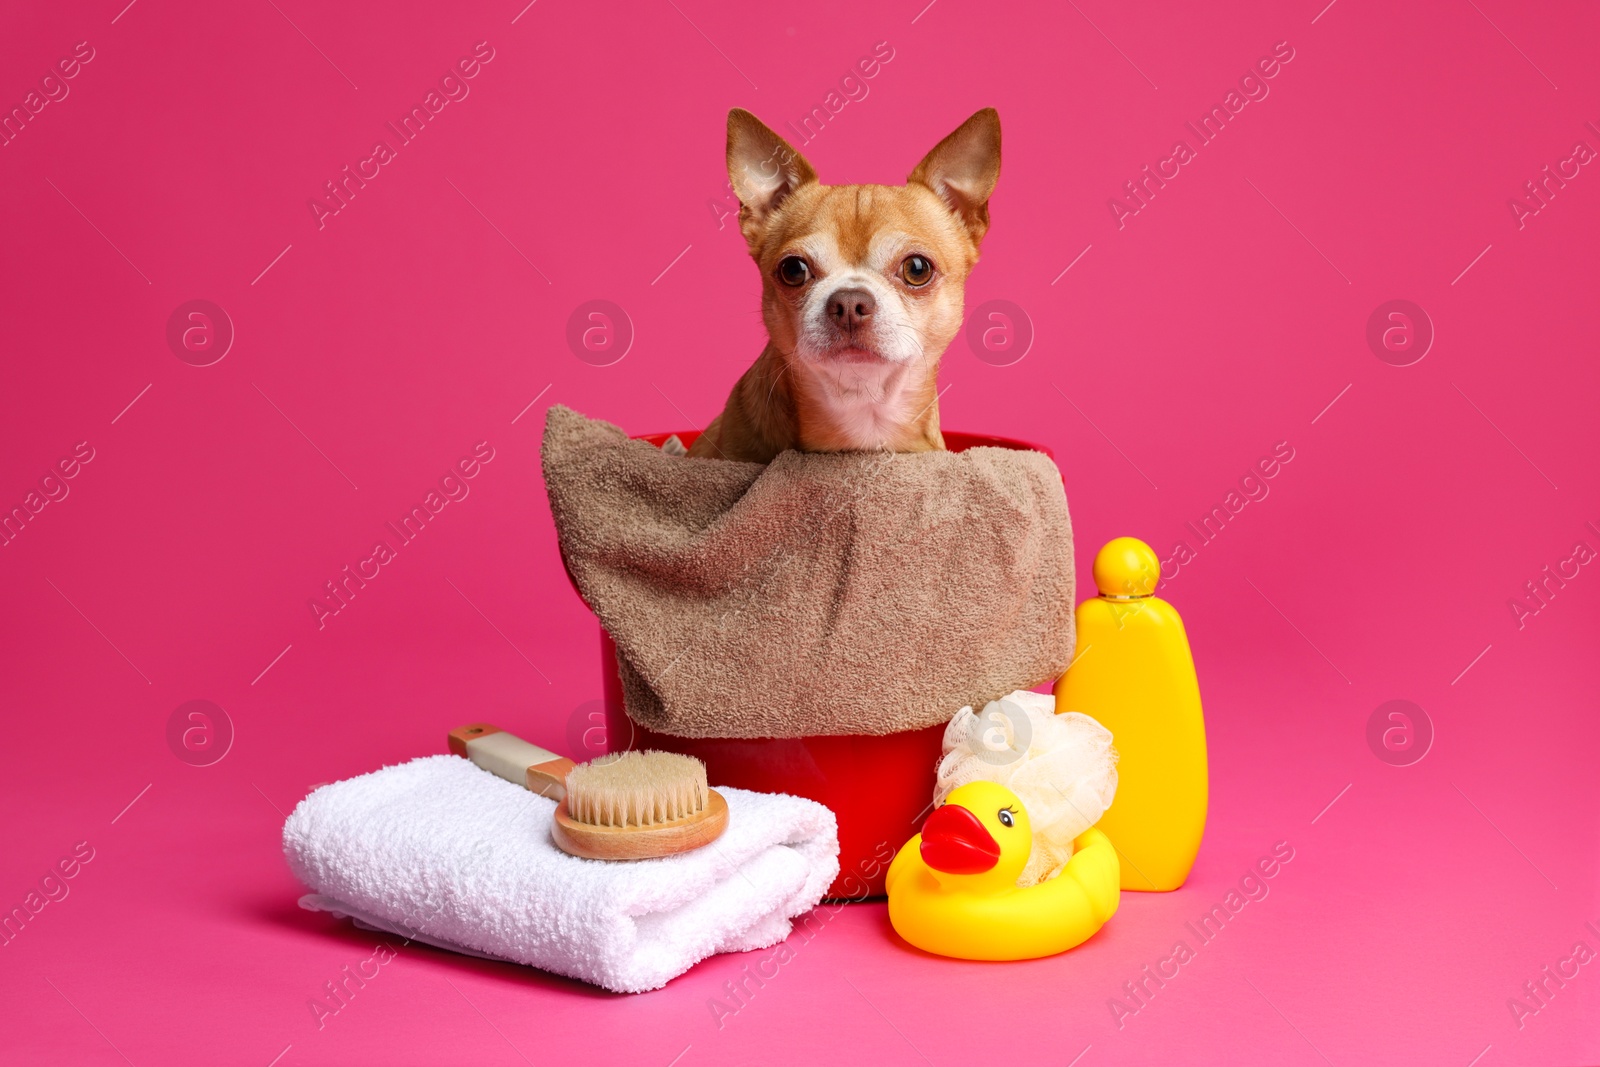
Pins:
x: 1125, y: 568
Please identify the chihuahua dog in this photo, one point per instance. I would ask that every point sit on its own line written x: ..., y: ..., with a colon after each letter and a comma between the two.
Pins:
x: 861, y: 292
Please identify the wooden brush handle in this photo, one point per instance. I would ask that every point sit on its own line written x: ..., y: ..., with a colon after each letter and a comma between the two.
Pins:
x: 512, y: 758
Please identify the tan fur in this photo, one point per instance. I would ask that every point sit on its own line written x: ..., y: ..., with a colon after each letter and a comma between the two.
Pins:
x: 801, y: 393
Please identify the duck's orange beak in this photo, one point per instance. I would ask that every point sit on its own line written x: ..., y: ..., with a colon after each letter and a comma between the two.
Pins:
x: 955, y: 842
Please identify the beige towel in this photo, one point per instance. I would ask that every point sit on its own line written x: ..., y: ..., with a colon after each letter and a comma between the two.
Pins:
x: 823, y: 593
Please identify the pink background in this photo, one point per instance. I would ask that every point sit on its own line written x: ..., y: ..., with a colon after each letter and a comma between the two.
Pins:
x: 1224, y: 318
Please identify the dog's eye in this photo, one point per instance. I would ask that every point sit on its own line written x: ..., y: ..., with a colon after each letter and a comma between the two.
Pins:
x: 916, y: 270
x: 792, y: 270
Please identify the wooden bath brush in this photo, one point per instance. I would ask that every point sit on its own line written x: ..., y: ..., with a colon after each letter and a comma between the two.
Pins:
x: 625, y: 806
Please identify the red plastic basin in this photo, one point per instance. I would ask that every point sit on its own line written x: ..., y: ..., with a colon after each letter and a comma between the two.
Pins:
x: 879, y: 787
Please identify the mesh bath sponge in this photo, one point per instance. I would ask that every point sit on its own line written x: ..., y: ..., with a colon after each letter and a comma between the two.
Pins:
x: 1062, y: 767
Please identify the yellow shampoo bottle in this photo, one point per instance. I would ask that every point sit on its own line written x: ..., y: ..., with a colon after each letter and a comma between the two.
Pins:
x: 1135, y: 674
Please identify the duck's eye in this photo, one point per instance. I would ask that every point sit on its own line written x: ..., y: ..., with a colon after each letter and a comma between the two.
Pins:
x: 1005, y: 818
x: 793, y: 271
x: 917, y: 271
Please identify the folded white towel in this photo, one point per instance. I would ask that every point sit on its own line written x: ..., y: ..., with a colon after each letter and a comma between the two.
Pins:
x: 444, y: 852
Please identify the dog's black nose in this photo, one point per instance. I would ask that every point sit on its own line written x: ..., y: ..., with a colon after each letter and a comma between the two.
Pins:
x: 849, y: 308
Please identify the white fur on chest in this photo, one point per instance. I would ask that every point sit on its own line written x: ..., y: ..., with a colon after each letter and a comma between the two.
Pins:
x: 867, y: 404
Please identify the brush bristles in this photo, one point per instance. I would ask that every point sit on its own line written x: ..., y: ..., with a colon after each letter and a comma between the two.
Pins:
x: 636, y: 789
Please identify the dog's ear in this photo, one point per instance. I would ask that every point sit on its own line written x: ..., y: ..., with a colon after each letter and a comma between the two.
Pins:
x: 963, y: 168
x: 764, y: 170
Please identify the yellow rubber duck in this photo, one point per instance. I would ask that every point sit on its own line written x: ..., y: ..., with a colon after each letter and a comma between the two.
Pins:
x: 953, y: 888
